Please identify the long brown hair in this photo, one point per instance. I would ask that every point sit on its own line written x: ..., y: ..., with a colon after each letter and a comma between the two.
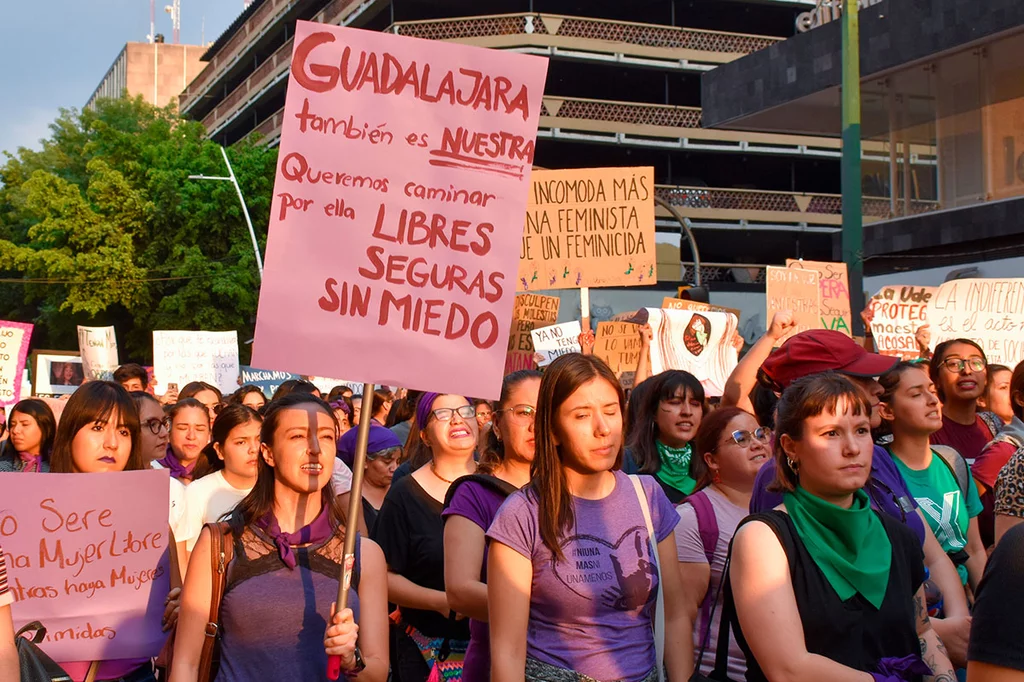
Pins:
x: 231, y: 417
x: 706, y: 442
x: 554, y: 502
x: 47, y: 423
x: 644, y: 424
x: 494, y: 452
x: 260, y: 500
x: 96, y: 401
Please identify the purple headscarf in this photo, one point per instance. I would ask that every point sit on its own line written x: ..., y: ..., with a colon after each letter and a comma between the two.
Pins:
x: 424, y: 408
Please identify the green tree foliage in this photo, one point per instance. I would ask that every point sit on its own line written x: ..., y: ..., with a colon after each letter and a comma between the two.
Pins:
x: 102, y: 226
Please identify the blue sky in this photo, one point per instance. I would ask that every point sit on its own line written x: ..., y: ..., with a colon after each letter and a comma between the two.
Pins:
x: 54, y: 52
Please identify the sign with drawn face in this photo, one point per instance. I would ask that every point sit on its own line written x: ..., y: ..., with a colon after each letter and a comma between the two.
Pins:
x: 697, y: 334
x: 697, y: 342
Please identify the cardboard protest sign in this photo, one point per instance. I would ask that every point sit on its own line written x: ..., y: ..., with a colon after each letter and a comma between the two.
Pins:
x: 14, y: 341
x: 183, y: 356
x: 397, y: 213
x: 98, y: 348
x: 266, y: 380
x: 618, y: 344
x: 557, y: 340
x: 529, y: 312
x: 897, y: 313
x: 686, y: 304
x: 989, y: 311
x: 88, y: 561
x: 795, y: 290
x: 589, y: 227
x: 697, y: 342
x: 834, y: 283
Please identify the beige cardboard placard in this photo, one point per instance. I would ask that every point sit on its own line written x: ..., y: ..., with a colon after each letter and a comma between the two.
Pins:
x: 897, y: 313
x: 834, y: 282
x: 618, y: 344
x: 795, y: 290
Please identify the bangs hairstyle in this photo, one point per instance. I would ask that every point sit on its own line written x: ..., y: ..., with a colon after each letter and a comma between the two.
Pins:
x: 709, y: 434
x: 494, y: 453
x: 644, y: 428
x: 230, y: 418
x: 554, y: 502
x: 47, y: 423
x: 805, y: 398
x: 260, y: 500
x: 96, y: 401
x: 939, y: 357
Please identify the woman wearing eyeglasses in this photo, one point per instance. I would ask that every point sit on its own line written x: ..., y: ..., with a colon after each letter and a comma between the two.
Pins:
x: 473, y: 502
x: 190, y: 432
x: 410, y: 531
x: 911, y: 408
x: 227, y: 470
x: 959, y: 370
x: 731, y: 447
x: 662, y: 430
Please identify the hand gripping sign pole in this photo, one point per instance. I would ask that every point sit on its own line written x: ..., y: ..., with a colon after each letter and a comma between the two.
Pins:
x: 355, y: 504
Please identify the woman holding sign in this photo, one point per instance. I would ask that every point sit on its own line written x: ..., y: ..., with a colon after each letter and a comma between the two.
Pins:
x: 410, y: 531
x: 28, y: 445
x: 288, y: 537
x: 578, y: 557
x: 99, y: 433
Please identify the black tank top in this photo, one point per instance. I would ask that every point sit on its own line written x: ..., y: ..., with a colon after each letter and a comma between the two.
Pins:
x: 853, y: 633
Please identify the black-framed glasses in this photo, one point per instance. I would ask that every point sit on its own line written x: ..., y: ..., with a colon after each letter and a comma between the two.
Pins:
x: 444, y: 414
x: 956, y: 365
x: 521, y: 414
x: 761, y: 434
x: 154, y: 425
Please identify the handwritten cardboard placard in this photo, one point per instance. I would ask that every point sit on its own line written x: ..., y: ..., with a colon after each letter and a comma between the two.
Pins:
x: 397, y: 213
x: 686, y: 304
x: 618, y: 344
x: 795, y: 290
x: 557, y: 340
x: 98, y: 348
x: 88, y: 561
x: 14, y: 342
x: 589, y: 227
x: 989, y: 311
x: 183, y: 356
x: 267, y: 380
x: 897, y: 313
x: 530, y: 312
x: 697, y: 342
x: 834, y: 283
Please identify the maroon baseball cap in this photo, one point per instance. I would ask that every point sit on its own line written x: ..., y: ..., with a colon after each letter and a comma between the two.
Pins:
x: 821, y: 350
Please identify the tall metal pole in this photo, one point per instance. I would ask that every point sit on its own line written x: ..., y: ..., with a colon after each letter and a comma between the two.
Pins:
x: 853, y: 220
x: 245, y: 210
x: 684, y: 226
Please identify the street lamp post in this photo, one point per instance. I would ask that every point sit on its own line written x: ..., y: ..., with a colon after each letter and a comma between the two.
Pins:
x: 245, y: 210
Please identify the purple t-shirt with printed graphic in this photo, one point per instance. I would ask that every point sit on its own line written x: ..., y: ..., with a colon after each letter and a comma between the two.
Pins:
x: 592, y: 612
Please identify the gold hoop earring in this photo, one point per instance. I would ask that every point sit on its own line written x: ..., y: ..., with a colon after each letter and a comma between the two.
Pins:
x: 795, y: 466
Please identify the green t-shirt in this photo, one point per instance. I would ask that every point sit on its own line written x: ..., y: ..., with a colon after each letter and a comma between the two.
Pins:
x: 938, y: 495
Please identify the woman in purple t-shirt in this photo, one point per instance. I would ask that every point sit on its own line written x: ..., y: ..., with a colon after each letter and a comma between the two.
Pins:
x: 473, y: 505
x: 572, y: 574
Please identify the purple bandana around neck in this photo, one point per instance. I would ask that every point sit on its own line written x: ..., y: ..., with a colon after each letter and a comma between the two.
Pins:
x: 178, y: 470
x: 424, y: 408
x: 315, y: 533
x: 29, y: 463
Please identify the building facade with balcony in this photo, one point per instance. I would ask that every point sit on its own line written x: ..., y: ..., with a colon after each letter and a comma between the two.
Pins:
x: 623, y: 89
x: 942, y: 80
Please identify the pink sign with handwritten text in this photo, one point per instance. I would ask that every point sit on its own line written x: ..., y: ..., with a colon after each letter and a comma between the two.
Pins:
x: 14, y: 341
x: 88, y: 560
x: 398, y: 210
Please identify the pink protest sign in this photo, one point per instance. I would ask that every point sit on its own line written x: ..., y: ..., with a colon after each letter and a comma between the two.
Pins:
x: 87, y: 557
x: 14, y: 340
x: 398, y: 210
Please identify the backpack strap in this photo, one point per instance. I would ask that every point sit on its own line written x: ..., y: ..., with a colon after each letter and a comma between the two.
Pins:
x: 957, y: 465
x: 503, y: 488
x: 707, y: 527
x: 992, y: 422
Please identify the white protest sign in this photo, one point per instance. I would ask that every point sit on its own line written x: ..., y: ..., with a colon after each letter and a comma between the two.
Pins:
x: 98, y: 348
x: 987, y: 311
x: 897, y: 313
x: 556, y: 340
x: 697, y: 342
x: 183, y: 356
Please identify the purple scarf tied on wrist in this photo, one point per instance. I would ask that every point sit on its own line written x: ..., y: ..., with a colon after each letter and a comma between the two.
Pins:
x: 30, y: 463
x: 178, y: 470
x: 315, y: 533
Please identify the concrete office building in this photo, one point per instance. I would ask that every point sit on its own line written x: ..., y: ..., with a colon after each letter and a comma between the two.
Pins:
x: 157, y: 71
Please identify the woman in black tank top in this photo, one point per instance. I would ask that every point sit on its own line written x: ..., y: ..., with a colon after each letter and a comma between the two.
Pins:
x: 824, y: 588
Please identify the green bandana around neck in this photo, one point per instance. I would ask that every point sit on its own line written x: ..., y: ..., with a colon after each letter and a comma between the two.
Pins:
x: 850, y: 546
x: 675, y: 467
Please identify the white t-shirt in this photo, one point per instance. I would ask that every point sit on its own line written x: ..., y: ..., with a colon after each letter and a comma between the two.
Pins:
x: 207, y: 499
x: 342, y: 477
x: 176, y: 505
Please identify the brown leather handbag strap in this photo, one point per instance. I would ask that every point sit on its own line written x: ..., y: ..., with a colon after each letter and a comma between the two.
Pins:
x: 221, y: 552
